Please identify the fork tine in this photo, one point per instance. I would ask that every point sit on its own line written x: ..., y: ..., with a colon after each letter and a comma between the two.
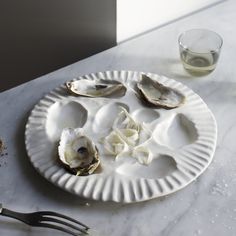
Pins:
x: 51, y: 226
x: 51, y: 219
x: 51, y: 213
x: 48, y: 219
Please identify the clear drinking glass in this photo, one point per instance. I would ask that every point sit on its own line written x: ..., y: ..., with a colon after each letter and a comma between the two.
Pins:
x: 200, y: 50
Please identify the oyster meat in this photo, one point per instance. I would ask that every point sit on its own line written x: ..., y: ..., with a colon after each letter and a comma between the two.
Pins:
x: 128, y: 137
x: 114, y: 144
x: 159, y: 95
x: 96, y: 88
x: 77, y: 152
x: 143, y: 155
x: 125, y: 121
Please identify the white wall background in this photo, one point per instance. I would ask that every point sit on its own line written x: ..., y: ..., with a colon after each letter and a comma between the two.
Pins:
x: 137, y: 16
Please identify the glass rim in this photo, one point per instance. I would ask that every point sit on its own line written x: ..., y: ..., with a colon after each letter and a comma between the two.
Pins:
x: 200, y: 29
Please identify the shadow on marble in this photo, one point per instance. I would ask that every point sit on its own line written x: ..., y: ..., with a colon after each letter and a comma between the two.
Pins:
x: 170, y: 67
x: 226, y: 89
x: 173, y: 68
x: 13, y: 226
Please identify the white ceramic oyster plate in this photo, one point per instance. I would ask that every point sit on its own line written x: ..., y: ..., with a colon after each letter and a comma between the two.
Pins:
x: 183, y: 141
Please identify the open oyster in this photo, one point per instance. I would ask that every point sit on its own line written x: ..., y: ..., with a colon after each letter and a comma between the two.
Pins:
x: 158, y: 94
x: 96, y: 88
x: 77, y: 152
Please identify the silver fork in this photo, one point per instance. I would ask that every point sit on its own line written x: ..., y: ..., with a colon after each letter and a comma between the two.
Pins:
x: 48, y: 219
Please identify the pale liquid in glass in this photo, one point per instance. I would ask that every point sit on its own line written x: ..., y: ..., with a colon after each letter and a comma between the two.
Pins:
x: 199, y: 63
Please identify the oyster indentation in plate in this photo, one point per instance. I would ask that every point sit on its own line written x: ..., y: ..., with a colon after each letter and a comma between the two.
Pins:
x: 106, y: 115
x: 161, y: 166
x: 145, y: 115
x: 64, y: 115
x: 176, y: 131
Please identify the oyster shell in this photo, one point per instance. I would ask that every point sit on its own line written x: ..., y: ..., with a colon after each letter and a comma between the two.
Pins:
x: 158, y: 94
x: 77, y: 152
x: 96, y: 88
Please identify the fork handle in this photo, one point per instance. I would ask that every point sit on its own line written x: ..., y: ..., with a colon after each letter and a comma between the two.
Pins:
x: 13, y: 214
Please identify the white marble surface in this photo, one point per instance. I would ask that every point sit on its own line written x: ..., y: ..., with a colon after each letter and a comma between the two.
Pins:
x: 206, y: 207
